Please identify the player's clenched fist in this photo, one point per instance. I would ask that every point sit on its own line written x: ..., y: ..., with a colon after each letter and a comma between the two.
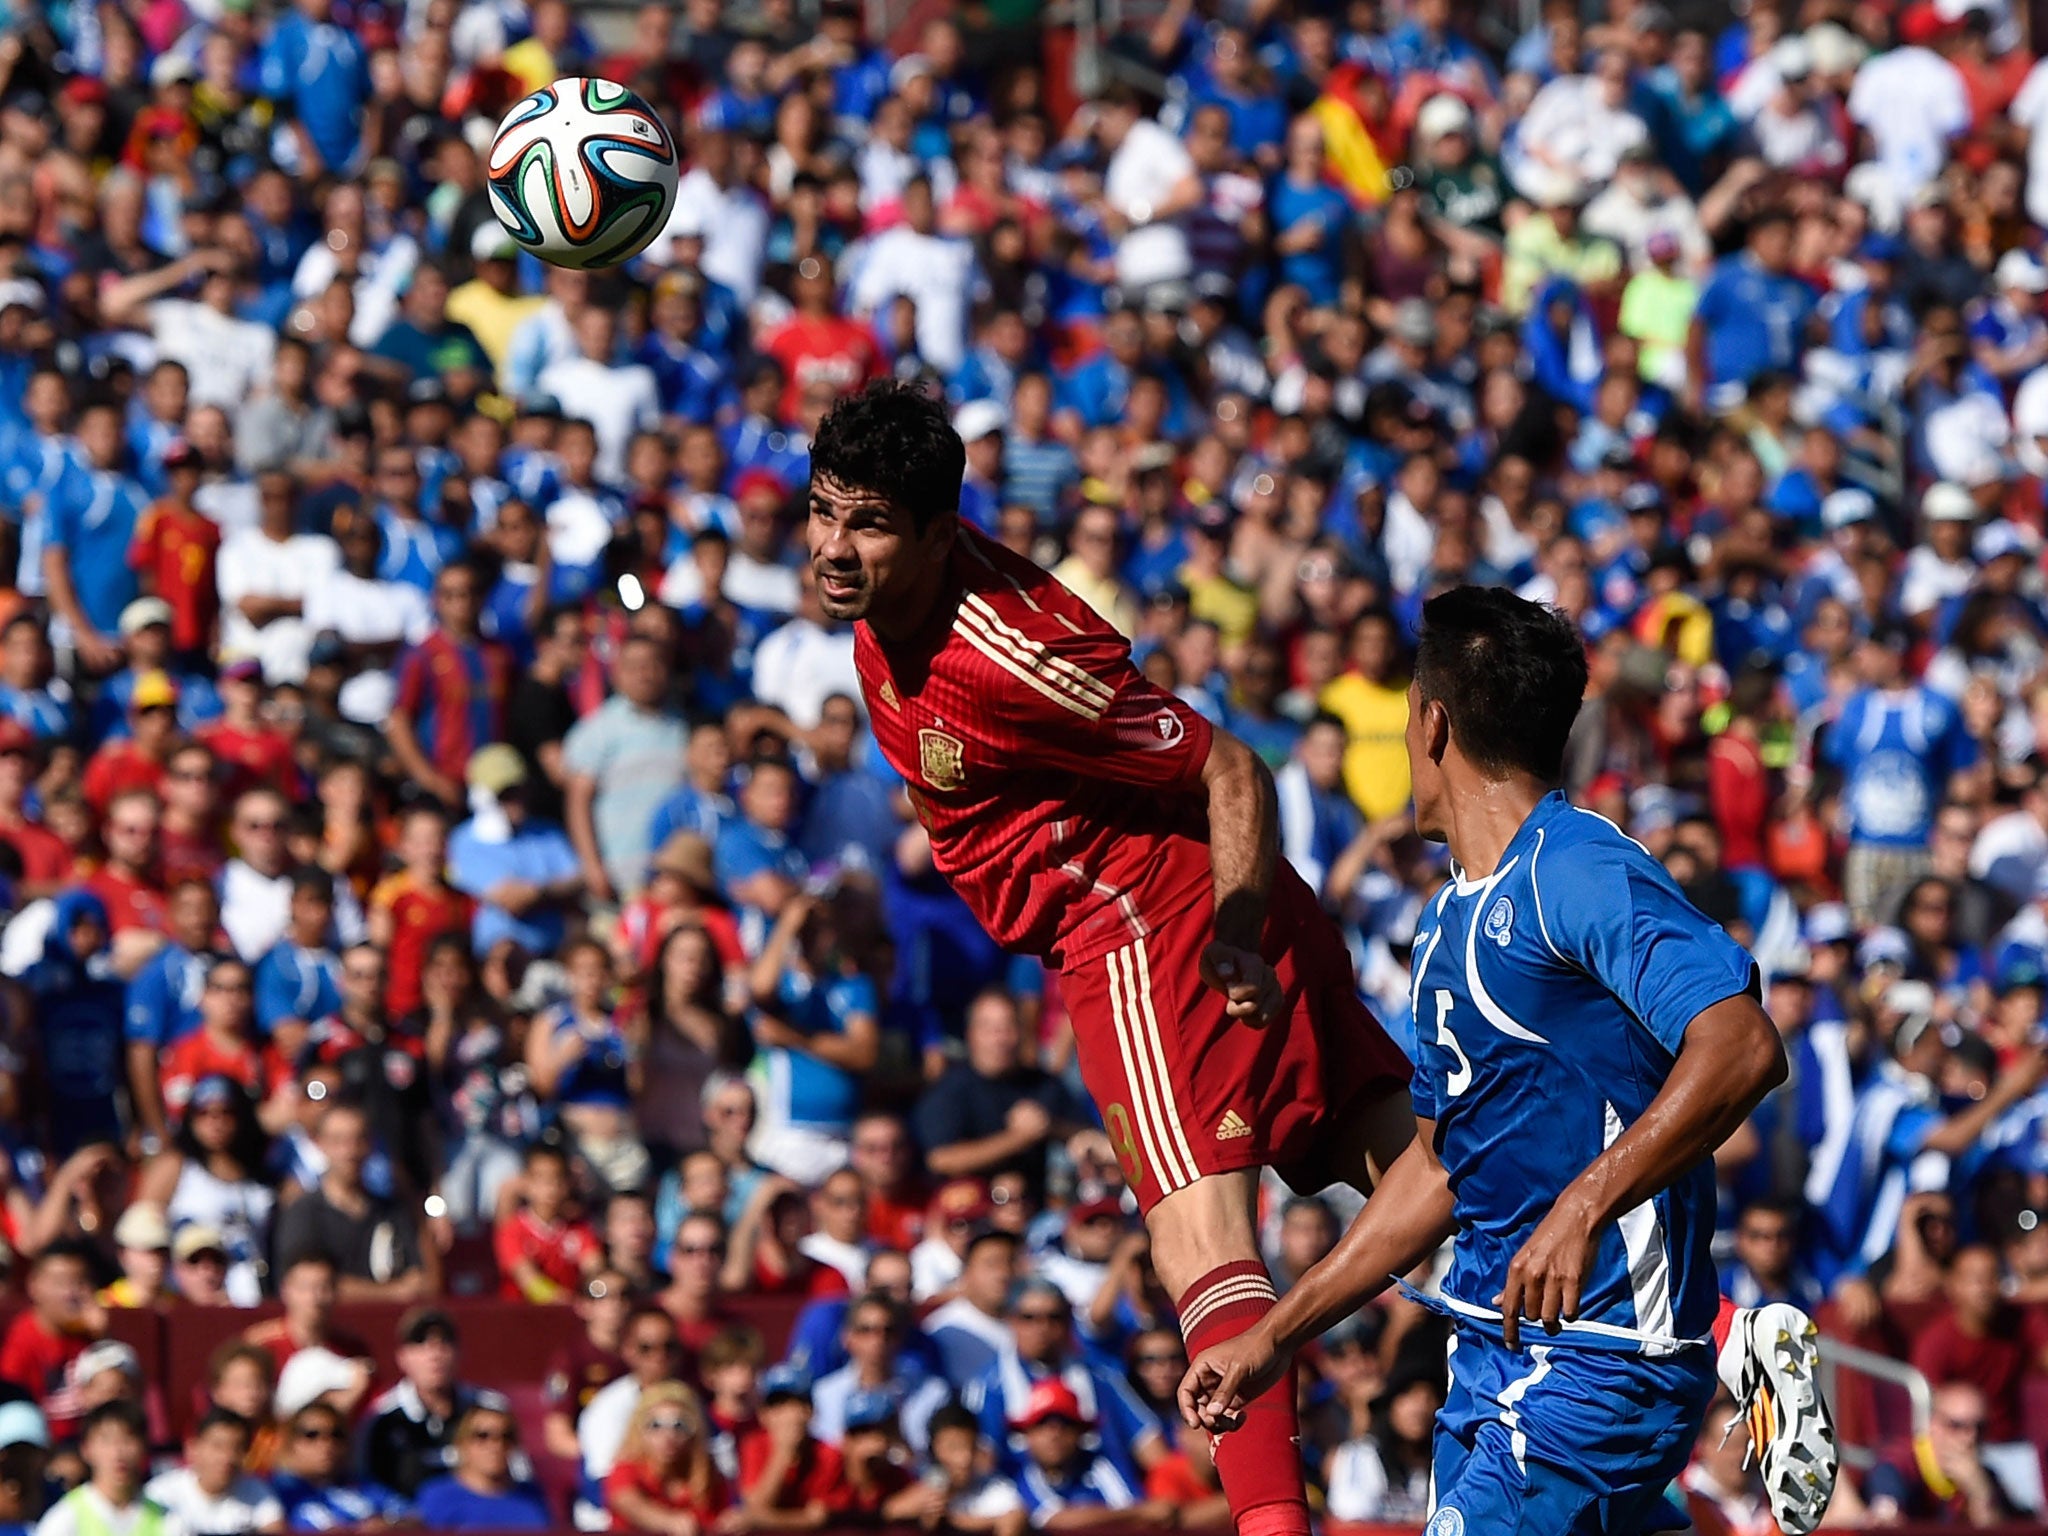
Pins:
x: 1227, y: 1376
x: 1250, y: 990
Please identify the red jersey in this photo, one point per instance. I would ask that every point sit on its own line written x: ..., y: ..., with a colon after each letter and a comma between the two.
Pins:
x: 176, y: 547
x: 817, y: 1475
x: 198, y: 1056
x: 190, y: 855
x: 118, y: 767
x: 666, y: 1494
x: 1062, y: 791
x: 131, y: 903
x: 258, y: 759
x: 821, y: 349
x: 577, y: 1374
x: 272, y: 1337
x: 38, y: 1361
x: 418, y: 917
x: 45, y: 857
x: 556, y: 1248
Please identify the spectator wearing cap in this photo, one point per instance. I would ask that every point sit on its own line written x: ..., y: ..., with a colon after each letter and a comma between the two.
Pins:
x: 174, y: 553
x: 959, y: 1210
x: 2008, y: 335
x: 981, y: 424
x: 145, y: 630
x: 201, y: 1267
x: 1064, y: 1483
x: 787, y: 1476
x: 1939, y: 568
x: 265, y: 575
x: 992, y: 1112
x: 211, y: 1492
x: 622, y: 762
x: 1101, y: 1265
x: 142, y: 1245
x: 411, y: 1432
x: 134, y: 764
x: 879, y: 1374
x: 490, y: 305
x: 24, y: 1466
x: 1041, y: 1349
x: 880, y: 1485
x: 520, y: 871
x: 29, y: 695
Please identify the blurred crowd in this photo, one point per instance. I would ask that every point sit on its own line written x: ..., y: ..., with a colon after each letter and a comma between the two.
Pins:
x: 444, y: 848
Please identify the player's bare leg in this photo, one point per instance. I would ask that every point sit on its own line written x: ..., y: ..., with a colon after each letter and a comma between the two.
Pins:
x: 1205, y: 1247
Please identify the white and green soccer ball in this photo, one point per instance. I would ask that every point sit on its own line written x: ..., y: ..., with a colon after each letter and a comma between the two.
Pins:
x: 583, y: 173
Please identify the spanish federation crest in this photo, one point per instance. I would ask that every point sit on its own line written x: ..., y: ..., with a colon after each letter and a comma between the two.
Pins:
x: 941, y: 759
x: 1500, y: 922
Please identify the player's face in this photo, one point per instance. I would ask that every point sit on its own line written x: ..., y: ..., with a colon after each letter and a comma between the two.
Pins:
x: 867, y: 553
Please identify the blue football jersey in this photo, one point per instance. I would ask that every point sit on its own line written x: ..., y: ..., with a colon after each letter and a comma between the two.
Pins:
x: 1550, y: 1001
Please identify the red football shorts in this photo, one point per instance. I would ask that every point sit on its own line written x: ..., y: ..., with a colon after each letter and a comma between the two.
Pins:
x: 1186, y: 1090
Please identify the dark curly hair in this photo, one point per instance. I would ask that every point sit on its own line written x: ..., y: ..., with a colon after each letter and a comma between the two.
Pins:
x: 1509, y: 672
x: 895, y: 440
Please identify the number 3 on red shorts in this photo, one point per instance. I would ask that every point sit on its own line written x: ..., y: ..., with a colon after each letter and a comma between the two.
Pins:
x: 1124, y: 1142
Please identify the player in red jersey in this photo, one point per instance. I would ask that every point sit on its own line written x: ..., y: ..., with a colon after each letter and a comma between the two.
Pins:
x: 1090, y: 818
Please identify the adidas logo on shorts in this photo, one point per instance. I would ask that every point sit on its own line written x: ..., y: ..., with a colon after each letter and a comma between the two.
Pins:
x: 1232, y: 1126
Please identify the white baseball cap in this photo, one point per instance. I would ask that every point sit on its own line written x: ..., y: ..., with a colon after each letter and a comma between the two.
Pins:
x: 978, y: 419
x: 1847, y: 507
x: 1443, y: 113
x: 2017, y: 269
x: 1947, y: 502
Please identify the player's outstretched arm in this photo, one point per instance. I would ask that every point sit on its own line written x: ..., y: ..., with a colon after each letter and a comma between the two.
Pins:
x: 1405, y: 1221
x: 1729, y: 1058
x: 1244, y: 845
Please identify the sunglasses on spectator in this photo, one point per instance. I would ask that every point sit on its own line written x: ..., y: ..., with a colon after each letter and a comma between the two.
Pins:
x: 1174, y: 1360
x: 1048, y: 1319
x: 700, y: 1250
x: 492, y: 1436
x: 310, y: 1433
x: 672, y: 1426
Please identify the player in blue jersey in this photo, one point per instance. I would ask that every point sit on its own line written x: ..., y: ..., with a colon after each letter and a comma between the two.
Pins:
x: 1585, y: 1039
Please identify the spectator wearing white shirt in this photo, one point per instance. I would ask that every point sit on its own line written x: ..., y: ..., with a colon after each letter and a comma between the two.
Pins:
x: 1152, y: 182
x: 617, y: 399
x: 935, y: 273
x: 376, y: 269
x: 211, y: 1493
x: 256, y: 885
x: 716, y: 206
x: 1941, y: 567
x: 1577, y: 129
x: 805, y: 662
x: 373, y: 618
x: 226, y: 359
x: 548, y: 335
x: 264, y: 575
x: 1915, y: 104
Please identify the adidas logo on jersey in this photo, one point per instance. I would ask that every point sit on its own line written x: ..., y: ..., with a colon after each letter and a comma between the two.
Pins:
x: 1232, y: 1126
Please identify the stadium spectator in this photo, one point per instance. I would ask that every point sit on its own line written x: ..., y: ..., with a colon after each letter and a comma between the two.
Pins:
x: 113, y: 1442
x: 374, y: 1243
x: 483, y: 1492
x: 312, y: 1480
x: 211, y: 1491
x: 665, y: 1475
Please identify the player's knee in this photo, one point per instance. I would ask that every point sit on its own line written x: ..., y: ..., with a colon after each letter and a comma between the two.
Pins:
x: 1207, y: 1223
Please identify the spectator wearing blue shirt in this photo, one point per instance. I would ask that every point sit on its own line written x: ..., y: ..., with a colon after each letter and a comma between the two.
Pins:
x: 1898, y: 743
x: 78, y: 1009
x: 1309, y: 217
x: 1119, y: 1427
x: 26, y: 674
x: 145, y: 629
x: 760, y: 867
x: 311, y: 1479
x: 1058, y: 1473
x: 2008, y: 335
x: 1752, y: 315
x: 319, y: 74
x: 481, y: 1494
x: 1258, y: 119
x: 817, y: 1026
x: 91, y: 514
x: 161, y: 1003
x: 522, y: 871
x: 299, y: 980
x: 1765, y: 1267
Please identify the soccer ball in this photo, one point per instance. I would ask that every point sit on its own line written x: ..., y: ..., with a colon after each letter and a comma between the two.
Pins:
x: 583, y: 173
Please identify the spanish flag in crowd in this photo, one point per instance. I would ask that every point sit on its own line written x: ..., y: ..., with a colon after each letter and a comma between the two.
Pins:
x: 1353, y: 105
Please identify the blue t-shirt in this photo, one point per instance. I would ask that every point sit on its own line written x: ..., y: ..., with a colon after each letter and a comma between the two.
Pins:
x: 296, y: 983
x: 538, y: 853
x: 599, y: 1076
x: 1755, y: 320
x: 1551, y: 999
x: 321, y: 73
x: 802, y: 1089
x: 445, y: 1505
x: 1121, y: 1421
x: 163, y: 997
x: 1897, y: 751
x: 307, y: 1508
x: 92, y: 515
x: 1320, y: 268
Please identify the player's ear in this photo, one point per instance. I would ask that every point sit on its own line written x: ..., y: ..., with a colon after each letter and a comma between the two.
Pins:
x: 1436, y: 729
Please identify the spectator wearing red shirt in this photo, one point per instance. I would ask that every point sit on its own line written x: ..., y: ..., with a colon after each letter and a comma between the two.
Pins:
x: 819, y: 347
x: 42, y: 1342
x: 127, y: 880
x: 452, y: 688
x: 695, y: 1261
x: 543, y: 1247
x: 581, y: 1369
x: 189, y: 839
x: 884, y: 1158
x: 173, y: 555
x: 1983, y: 1340
x: 411, y: 909
x: 308, y: 1292
x: 665, y: 1467
x: 46, y: 863
x: 223, y: 1045
x: 252, y: 754
x: 138, y: 762
x: 789, y: 1479
x: 1738, y: 784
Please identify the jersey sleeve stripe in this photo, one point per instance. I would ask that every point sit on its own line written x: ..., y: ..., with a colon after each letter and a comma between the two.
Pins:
x: 1024, y: 674
x: 1173, y: 1118
x: 1123, y: 1013
x: 1084, y: 680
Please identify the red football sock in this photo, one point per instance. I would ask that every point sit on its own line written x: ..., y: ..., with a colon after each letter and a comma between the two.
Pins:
x: 1724, y: 1322
x: 1259, y: 1462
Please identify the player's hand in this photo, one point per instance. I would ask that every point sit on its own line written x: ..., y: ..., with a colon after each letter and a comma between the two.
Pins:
x: 1251, y: 991
x: 1225, y: 1377
x: 1545, y: 1278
